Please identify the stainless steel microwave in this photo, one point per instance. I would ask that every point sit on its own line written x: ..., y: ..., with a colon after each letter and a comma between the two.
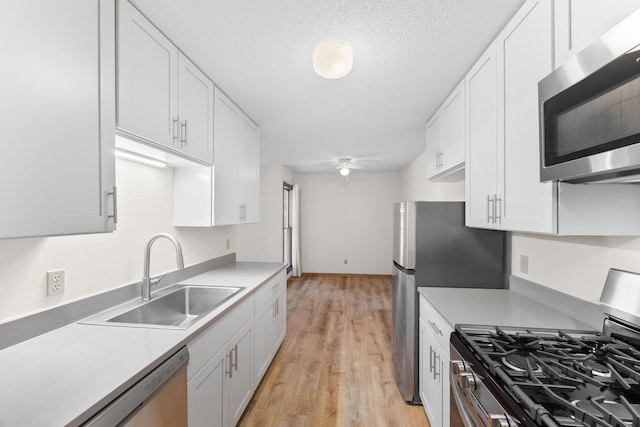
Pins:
x: 590, y: 111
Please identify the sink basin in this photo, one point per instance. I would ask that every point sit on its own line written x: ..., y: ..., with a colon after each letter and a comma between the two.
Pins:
x: 177, y: 307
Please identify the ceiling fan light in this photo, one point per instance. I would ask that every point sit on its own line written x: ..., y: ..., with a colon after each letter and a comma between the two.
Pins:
x: 333, y: 59
x: 344, y: 171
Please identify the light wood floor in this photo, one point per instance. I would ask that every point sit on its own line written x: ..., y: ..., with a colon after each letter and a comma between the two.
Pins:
x: 334, y: 367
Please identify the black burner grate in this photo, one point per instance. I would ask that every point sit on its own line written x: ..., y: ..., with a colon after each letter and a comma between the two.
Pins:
x: 562, y: 378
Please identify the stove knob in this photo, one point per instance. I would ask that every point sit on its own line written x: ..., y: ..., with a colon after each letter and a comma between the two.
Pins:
x: 467, y: 380
x: 457, y: 367
x: 498, y: 420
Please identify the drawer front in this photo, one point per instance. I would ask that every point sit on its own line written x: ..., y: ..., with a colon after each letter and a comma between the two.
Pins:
x: 279, y: 283
x: 436, y: 324
x: 206, y: 344
x: 264, y: 293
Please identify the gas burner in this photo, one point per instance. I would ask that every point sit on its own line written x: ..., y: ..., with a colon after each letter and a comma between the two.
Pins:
x: 595, y: 368
x: 609, y: 407
x: 517, y: 362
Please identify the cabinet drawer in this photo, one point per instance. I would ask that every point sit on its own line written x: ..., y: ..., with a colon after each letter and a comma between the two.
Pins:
x: 436, y: 324
x: 264, y: 293
x: 270, y: 289
x: 279, y: 283
x: 203, y: 347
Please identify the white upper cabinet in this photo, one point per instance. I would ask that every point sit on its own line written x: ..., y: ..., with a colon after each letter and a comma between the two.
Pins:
x: 481, y: 167
x: 228, y: 192
x: 57, y: 109
x: 445, y: 139
x: 503, y: 188
x: 147, y: 79
x: 163, y: 99
x: 237, y: 163
x: 524, y: 57
x: 195, y: 102
x: 249, y: 171
x: 578, y: 23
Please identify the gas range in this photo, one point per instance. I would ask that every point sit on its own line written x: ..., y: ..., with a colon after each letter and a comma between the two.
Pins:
x: 520, y: 376
x: 550, y: 377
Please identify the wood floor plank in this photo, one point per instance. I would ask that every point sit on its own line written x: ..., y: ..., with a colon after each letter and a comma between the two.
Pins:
x: 334, y: 366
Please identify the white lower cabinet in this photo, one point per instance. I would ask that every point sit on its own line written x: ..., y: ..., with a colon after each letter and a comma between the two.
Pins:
x: 228, y: 360
x: 434, y: 364
x: 271, y: 322
x: 208, y: 400
x: 240, y: 369
x: 220, y: 373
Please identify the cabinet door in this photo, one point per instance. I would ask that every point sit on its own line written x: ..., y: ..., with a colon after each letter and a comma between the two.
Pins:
x: 578, y: 23
x: 207, y: 393
x: 195, y: 106
x: 264, y: 339
x: 57, y: 112
x: 249, y: 171
x: 433, y: 145
x: 430, y: 384
x: 453, y: 130
x: 524, y: 58
x: 226, y: 209
x: 241, y: 382
x: 147, y: 79
x: 280, y: 320
x: 481, y: 145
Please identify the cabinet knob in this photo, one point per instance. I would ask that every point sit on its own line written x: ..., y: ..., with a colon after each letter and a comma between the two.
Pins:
x: 457, y: 367
x: 499, y: 420
x: 467, y: 380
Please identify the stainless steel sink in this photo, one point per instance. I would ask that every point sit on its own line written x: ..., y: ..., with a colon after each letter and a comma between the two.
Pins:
x: 176, y: 307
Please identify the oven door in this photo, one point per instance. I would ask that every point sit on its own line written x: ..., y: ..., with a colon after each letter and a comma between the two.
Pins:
x: 474, y: 396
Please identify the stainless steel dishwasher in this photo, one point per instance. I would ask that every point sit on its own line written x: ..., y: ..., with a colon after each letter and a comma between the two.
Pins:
x: 158, y: 400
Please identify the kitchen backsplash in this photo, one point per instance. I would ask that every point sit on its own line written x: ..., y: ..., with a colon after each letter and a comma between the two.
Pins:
x: 98, y: 262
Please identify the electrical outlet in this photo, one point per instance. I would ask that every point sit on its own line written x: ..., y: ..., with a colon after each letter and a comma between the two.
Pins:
x: 346, y: 261
x: 524, y: 264
x: 55, y: 282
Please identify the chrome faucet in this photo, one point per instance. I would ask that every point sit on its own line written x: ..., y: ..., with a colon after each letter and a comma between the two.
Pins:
x: 146, y: 280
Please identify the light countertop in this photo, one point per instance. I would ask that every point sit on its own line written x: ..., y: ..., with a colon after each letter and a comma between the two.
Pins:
x: 65, y: 376
x: 499, y: 307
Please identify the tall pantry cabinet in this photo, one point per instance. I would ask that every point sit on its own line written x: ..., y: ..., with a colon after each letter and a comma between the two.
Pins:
x: 58, y: 110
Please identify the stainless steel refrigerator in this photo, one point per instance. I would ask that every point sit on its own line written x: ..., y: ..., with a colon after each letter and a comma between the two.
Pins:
x: 432, y: 247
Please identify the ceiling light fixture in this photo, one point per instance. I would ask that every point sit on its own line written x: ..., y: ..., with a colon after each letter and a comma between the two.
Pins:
x: 332, y: 59
x: 345, y: 166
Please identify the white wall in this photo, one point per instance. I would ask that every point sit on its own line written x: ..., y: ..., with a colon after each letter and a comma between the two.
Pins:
x: 416, y: 186
x: 263, y: 241
x: 98, y: 262
x: 347, y: 220
x: 574, y: 265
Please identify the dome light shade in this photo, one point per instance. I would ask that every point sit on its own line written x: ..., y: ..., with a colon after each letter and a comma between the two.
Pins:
x: 333, y: 59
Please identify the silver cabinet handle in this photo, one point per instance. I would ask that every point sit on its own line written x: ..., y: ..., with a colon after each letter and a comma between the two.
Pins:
x: 230, y: 371
x: 488, y: 209
x: 114, y: 193
x: 234, y: 352
x: 434, y: 327
x: 183, y: 132
x: 430, y: 359
x: 436, y: 357
x: 175, y: 129
x: 498, y: 209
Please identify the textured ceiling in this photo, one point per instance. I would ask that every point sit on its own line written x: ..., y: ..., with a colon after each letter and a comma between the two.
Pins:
x: 408, y: 55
